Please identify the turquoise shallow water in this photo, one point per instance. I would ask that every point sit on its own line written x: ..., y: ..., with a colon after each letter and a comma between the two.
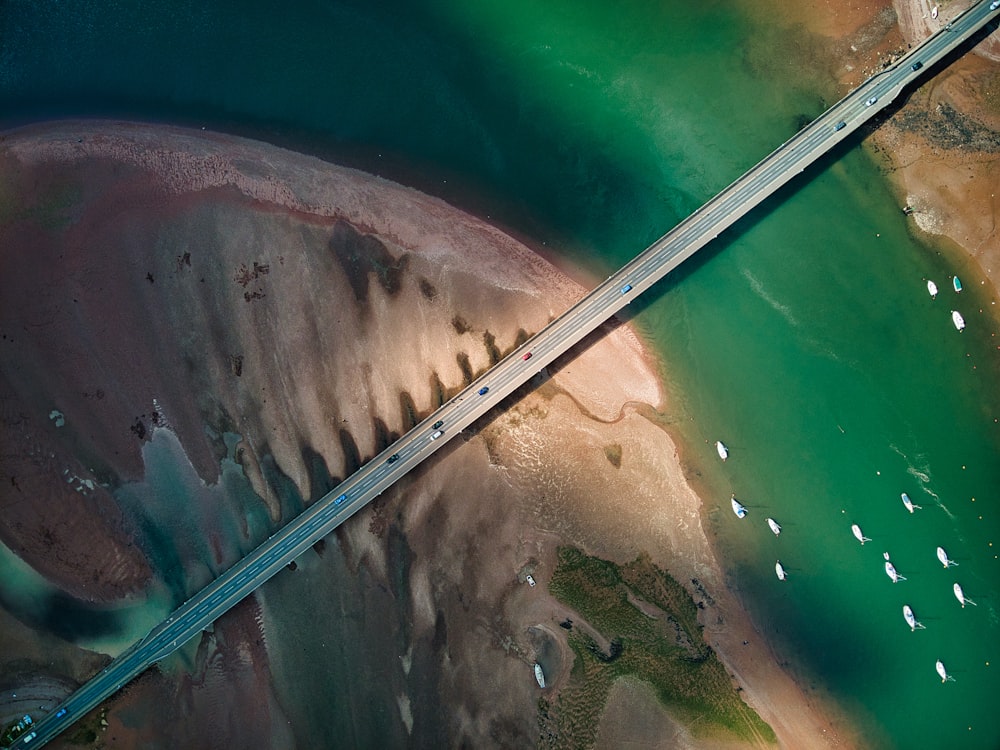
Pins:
x: 806, y: 340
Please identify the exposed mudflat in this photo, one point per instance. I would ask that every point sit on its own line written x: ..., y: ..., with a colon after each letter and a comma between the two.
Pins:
x: 162, y: 279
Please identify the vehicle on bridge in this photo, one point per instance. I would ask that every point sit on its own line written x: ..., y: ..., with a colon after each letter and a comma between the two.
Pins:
x: 338, y: 501
x: 840, y: 125
x: 871, y: 101
x: 626, y: 289
x: 437, y: 425
x: 393, y: 458
x: 917, y: 65
x: 484, y: 390
x: 526, y: 357
x: 436, y: 435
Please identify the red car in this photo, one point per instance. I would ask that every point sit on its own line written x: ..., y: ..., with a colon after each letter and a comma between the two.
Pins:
x: 526, y: 356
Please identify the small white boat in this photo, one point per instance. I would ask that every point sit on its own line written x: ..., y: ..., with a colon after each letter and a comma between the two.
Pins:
x: 943, y: 557
x: 539, y: 675
x: 934, y: 12
x: 909, y: 504
x: 738, y: 509
x: 960, y: 595
x: 722, y: 450
x: 780, y: 571
x: 932, y: 288
x: 856, y: 530
x: 910, y: 619
x: 774, y: 526
x: 958, y: 320
x: 890, y: 570
x: 942, y: 672
x: 956, y: 284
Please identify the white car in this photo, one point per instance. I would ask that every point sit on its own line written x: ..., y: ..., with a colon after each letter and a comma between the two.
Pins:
x: 995, y: 4
x: 871, y: 101
x: 529, y: 579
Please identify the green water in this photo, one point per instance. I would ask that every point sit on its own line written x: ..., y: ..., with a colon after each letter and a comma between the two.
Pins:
x: 805, y: 340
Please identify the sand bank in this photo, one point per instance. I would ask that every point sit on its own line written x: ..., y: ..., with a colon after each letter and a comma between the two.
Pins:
x: 313, y: 310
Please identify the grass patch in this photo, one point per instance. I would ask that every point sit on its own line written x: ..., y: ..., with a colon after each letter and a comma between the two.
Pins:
x: 661, y: 644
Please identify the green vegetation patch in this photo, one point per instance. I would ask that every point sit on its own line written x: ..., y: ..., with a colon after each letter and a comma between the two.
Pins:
x: 613, y: 452
x: 651, y: 626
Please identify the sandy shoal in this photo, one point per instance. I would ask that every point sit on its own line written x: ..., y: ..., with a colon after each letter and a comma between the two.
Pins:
x: 555, y: 436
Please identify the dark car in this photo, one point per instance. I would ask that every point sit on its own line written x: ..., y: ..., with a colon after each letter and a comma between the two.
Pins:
x: 917, y: 65
x: 484, y: 390
x: 393, y: 458
x: 437, y: 425
x: 840, y: 125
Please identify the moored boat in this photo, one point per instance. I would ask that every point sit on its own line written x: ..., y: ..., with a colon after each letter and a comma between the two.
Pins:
x: 942, y: 672
x: 779, y: 571
x: 856, y: 530
x: 890, y: 570
x: 956, y: 284
x: 910, y: 619
x: 738, y: 508
x: 721, y: 449
x: 958, y: 320
x: 943, y: 557
x: 909, y: 504
x: 539, y: 675
x: 932, y: 288
x: 960, y: 595
x: 774, y: 526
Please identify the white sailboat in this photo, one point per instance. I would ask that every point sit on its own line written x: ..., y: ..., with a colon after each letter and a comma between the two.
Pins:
x: 774, y: 526
x: 738, y: 509
x: 932, y: 288
x: 958, y: 320
x: 942, y: 672
x: 856, y: 530
x: 960, y: 595
x: 779, y: 571
x: 909, y: 504
x: 721, y: 449
x: 910, y: 619
x: 890, y: 570
x: 943, y: 557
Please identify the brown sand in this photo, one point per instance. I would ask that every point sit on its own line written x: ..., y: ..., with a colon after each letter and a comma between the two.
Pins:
x: 272, y: 283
